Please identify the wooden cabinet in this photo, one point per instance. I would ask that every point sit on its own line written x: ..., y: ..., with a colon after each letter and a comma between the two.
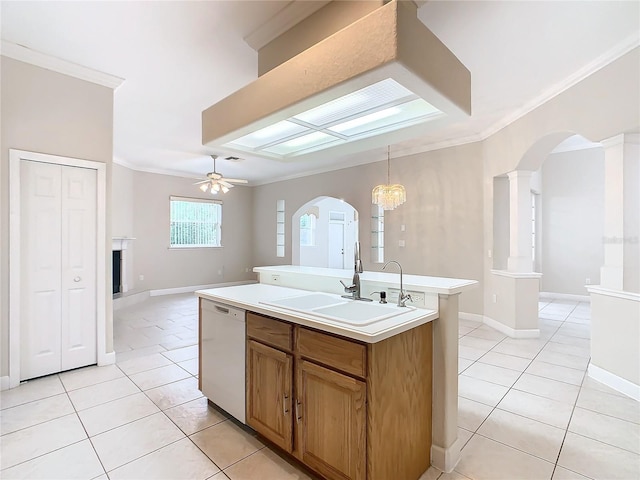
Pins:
x: 269, y: 374
x: 331, y: 419
x: 355, y: 411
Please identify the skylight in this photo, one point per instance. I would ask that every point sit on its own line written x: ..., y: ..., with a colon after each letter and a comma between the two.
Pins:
x: 381, y: 107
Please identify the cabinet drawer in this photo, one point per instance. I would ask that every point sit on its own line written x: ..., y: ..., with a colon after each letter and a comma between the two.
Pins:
x: 335, y: 352
x: 270, y: 331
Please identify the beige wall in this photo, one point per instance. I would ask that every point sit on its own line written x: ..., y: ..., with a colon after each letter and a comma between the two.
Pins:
x: 47, y: 112
x: 572, y: 221
x: 170, y: 268
x: 442, y: 217
x: 601, y: 106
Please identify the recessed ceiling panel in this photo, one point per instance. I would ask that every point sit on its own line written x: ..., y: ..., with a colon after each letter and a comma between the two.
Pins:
x: 268, y: 135
x: 380, y: 94
x: 388, y: 119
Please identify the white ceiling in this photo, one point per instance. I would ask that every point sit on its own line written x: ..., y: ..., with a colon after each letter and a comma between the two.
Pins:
x: 178, y: 58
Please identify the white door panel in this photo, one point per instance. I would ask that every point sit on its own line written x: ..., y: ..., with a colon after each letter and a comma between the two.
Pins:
x: 40, y: 301
x: 78, y: 267
x: 58, y: 218
x: 336, y: 245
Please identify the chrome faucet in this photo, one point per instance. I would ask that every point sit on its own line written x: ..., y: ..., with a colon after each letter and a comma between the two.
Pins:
x: 354, y: 288
x: 402, y: 296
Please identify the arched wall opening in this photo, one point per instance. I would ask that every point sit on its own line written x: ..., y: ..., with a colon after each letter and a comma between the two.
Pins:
x: 331, y: 228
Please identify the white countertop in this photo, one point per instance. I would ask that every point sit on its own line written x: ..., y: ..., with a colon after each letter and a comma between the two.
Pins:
x: 443, y: 285
x: 249, y: 297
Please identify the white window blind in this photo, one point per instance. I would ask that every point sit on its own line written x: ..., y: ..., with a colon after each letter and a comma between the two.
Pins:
x: 195, y: 222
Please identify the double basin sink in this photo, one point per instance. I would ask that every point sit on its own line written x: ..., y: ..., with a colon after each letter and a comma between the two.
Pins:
x: 339, y: 309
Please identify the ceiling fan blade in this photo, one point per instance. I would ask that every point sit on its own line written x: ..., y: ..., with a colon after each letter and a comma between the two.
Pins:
x: 235, y: 180
x: 223, y: 182
x: 203, y: 181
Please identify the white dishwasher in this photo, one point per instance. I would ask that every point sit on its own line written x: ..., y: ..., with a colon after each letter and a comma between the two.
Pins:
x: 223, y: 357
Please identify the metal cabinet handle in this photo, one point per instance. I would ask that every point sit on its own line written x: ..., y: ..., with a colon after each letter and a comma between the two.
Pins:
x: 77, y: 279
x: 285, y: 397
x: 298, y: 416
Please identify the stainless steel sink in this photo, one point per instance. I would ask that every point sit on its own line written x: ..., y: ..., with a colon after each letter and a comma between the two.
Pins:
x: 337, y: 309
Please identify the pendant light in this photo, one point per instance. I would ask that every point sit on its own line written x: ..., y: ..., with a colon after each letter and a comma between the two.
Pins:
x: 389, y: 196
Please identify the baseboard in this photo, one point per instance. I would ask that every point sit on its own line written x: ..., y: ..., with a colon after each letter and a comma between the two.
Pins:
x: 565, y: 296
x: 4, y: 383
x: 128, y: 300
x: 446, y: 459
x: 474, y: 317
x: 193, y: 288
x: 107, y: 359
x: 511, y: 332
x: 613, y: 381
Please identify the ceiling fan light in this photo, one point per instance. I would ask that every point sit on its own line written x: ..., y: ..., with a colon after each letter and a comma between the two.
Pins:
x: 215, y: 187
x: 204, y: 187
x: 224, y: 189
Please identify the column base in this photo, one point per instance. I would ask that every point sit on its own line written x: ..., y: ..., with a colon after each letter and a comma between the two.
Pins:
x: 446, y: 459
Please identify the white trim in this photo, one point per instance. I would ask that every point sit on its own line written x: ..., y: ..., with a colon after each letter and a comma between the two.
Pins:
x: 128, y: 300
x: 511, y: 332
x: 4, y: 383
x: 289, y: 16
x: 608, y: 57
x: 575, y: 148
x: 613, y: 54
x: 55, y: 64
x: 598, y: 290
x: 613, y: 381
x: 193, y: 288
x: 565, y: 296
x: 621, y: 139
x: 474, y: 317
x: 107, y: 359
x: 505, y: 273
x: 15, y: 156
x: 446, y: 459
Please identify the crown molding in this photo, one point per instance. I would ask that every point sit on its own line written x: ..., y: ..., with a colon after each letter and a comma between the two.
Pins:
x: 282, y: 21
x: 614, y: 53
x: 55, y: 64
x: 624, y: 47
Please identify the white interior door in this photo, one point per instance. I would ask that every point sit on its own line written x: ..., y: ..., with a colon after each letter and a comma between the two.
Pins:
x: 58, y: 260
x: 78, y: 268
x: 336, y: 245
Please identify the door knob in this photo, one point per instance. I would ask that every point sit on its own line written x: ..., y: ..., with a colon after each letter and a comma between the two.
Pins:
x: 77, y: 279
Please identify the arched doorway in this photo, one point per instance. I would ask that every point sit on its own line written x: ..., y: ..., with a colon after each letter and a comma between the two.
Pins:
x: 324, y: 232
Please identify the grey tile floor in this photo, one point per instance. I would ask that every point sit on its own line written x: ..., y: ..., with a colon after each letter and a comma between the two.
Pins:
x: 527, y: 410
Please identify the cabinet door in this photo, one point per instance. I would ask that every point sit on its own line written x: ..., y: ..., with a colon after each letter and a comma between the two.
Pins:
x: 269, y: 378
x: 331, y: 422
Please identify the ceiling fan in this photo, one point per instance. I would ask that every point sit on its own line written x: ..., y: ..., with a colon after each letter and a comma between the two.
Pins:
x: 216, y: 182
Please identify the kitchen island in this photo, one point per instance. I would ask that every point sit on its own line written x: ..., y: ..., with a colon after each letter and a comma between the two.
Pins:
x: 346, y: 387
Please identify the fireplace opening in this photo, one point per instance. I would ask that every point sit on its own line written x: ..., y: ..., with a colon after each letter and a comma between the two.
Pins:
x: 117, y: 271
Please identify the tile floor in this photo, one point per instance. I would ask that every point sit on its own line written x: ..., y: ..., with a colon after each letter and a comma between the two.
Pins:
x: 526, y: 410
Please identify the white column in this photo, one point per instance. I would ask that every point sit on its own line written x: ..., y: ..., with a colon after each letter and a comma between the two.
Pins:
x: 631, y: 265
x: 520, y: 257
x: 445, y: 448
x: 611, y: 273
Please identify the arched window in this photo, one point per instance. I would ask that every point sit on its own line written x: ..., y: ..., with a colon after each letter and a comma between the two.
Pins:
x: 307, y: 230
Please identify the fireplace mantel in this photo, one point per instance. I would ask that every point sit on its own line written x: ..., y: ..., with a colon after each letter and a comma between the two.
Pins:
x: 121, y: 243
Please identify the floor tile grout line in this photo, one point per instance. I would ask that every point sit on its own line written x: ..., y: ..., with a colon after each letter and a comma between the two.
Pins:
x: 104, y: 470
x: 510, y: 388
x: 551, y: 462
